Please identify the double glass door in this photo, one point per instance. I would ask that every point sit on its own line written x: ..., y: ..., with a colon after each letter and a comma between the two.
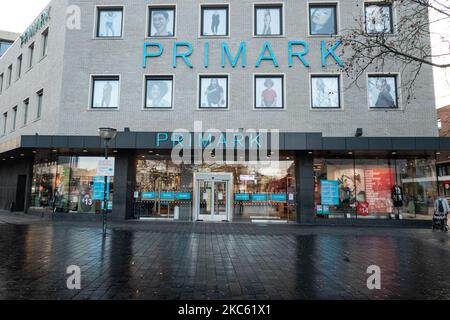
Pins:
x: 213, y: 198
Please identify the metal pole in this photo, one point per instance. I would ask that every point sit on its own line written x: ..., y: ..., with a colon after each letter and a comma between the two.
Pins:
x: 105, y: 195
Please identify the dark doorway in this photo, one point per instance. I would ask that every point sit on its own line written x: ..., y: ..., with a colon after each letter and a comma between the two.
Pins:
x: 19, y: 205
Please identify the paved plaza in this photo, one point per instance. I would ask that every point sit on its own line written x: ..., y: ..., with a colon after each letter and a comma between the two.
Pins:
x: 158, y: 260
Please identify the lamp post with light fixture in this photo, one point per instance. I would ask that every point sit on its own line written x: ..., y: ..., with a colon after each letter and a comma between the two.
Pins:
x: 106, y: 134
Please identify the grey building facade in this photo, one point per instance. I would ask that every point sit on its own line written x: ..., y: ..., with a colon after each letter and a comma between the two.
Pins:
x: 151, y: 69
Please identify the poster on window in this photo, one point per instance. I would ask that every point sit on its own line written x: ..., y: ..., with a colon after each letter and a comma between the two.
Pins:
x: 378, y: 187
x: 106, y: 94
x: 110, y: 24
x: 382, y: 92
x: 159, y: 93
x: 162, y: 22
x: 378, y: 19
x: 268, y: 21
x: 214, y: 92
x: 323, y: 20
x: 325, y: 92
x: 215, y: 22
x: 269, y: 92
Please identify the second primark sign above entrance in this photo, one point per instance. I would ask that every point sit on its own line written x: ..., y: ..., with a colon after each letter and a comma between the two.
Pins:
x: 296, y: 50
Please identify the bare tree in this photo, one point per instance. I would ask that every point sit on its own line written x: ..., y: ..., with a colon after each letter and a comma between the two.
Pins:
x: 377, y: 43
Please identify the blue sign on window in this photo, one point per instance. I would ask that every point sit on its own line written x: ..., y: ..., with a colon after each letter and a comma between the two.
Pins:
x: 148, y: 195
x: 183, y: 196
x: 167, y: 196
x: 330, y: 192
x: 260, y: 197
x: 242, y: 197
x: 110, y: 205
x: 279, y: 197
x: 98, y: 189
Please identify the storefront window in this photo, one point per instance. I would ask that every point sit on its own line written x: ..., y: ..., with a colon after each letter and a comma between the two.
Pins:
x: 44, y: 179
x: 418, y: 180
x: 375, y: 188
x: 70, y: 184
x: 258, y: 191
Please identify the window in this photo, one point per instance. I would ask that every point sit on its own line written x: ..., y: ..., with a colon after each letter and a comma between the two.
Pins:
x: 9, y: 75
x: 158, y: 92
x: 439, y: 124
x: 26, y: 106
x: 325, y: 92
x: 5, y: 122
x: 1, y: 82
x: 109, y: 23
x: 379, y: 18
x: 105, y: 92
x: 269, y: 92
x: 40, y: 96
x: 19, y: 66
x: 30, y: 57
x: 44, y: 43
x: 14, y: 118
x: 383, y: 92
x: 268, y: 20
x: 4, y: 45
x: 213, y: 92
x: 161, y: 22
x: 214, y: 21
x: 323, y: 19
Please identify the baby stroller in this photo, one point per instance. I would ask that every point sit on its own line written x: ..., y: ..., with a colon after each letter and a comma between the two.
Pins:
x: 440, y: 221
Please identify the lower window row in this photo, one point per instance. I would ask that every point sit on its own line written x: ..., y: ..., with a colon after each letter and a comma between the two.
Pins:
x: 269, y: 92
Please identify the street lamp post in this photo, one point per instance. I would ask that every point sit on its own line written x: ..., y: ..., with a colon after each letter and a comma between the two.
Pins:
x: 106, y: 134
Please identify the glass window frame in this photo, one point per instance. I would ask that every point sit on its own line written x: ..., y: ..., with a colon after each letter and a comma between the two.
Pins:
x: 203, y: 8
x: 200, y: 90
x: 95, y: 78
x: 10, y: 75
x: 4, y: 123
x: 150, y: 9
x: 397, y: 94
x: 283, y: 90
x: 44, y: 42
x: 101, y: 9
x: 19, y: 66
x: 333, y: 5
x: 391, y: 15
x: 158, y: 78
x: 263, y: 6
x: 338, y: 77
x: 26, y: 107
x: 40, y: 100
x: 14, y: 120
x: 31, y: 48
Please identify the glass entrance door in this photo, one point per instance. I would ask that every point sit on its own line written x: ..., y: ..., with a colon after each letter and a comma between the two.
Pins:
x: 213, y: 197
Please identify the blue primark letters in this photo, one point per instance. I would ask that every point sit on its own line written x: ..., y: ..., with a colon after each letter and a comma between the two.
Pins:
x: 182, y: 51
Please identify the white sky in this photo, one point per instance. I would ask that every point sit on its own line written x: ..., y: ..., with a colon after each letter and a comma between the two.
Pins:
x: 17, y: 15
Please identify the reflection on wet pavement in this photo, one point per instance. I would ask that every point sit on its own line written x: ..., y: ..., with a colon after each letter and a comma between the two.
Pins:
x: 201, y: 261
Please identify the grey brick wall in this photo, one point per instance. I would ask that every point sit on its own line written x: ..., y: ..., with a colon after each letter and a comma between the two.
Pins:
x: 74, y: 55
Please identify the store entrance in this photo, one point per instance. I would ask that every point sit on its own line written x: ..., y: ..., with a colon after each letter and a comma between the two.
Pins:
x: 212, y: 201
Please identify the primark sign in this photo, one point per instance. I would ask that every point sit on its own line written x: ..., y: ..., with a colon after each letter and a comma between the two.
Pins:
x: 36, y: 26
x: 297, y: 50
x: 216, y: 146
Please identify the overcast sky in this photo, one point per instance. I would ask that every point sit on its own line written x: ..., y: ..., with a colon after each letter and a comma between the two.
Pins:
x: 17, y: 15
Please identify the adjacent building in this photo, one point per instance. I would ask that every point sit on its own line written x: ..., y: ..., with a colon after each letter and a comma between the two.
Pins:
x: 6, y: 40
x: 195, y: 80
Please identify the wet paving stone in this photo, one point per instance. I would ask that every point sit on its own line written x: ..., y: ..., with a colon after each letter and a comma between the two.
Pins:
x: 220, y: 261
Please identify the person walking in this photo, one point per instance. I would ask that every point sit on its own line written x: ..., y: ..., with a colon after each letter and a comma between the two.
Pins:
x: 441, y: 210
